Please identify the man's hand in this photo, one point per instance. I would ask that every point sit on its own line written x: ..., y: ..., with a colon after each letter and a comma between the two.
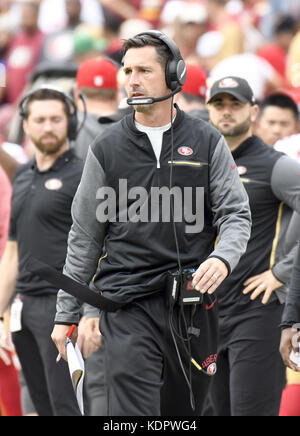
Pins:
x: 209, y: 275
x: 265, y: 283
x: 59, y: 337
x: 89, y: 336
x: 289, y: 341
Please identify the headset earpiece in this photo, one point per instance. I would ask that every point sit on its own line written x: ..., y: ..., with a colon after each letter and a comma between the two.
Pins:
x: 72, y: 119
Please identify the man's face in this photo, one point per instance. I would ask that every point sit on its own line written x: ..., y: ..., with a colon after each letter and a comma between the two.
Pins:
x: 47, y: 125
x: 276, y: 123
x: 230, y: 116
x: 144, y: 76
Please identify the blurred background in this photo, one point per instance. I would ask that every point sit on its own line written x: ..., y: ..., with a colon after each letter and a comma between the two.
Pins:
x: 44, y: 41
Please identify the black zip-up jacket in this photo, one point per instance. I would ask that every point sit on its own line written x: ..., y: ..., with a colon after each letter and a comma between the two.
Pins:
x: 134, y: 248
x: 291, y: 313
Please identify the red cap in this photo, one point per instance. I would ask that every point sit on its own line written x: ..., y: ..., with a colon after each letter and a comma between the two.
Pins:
x: 195, y: 81
x: 97, y: 73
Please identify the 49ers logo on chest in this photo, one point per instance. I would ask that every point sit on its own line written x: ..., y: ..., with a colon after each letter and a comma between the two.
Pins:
x: 185, y: 150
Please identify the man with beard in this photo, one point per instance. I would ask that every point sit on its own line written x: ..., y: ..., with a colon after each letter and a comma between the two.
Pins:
x: 43, y: 191
x: 251, y: 374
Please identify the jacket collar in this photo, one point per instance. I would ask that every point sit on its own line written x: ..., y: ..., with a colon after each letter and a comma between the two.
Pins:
x: 130, y: 124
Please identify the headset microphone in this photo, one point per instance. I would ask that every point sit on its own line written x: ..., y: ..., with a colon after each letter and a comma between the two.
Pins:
x: 150, y: 100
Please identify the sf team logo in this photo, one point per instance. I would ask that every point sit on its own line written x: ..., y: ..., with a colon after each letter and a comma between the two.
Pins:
x: 212, y: 368
x: 229, y: 82
x: 185, y: 151
x: 242, y: 170
x: 53, y: 184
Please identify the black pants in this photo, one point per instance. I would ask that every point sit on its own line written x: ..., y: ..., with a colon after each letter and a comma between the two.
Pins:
x: 143, y: 371
x: 48, y: 382
x: 251, y: 374
x: 95, y: 384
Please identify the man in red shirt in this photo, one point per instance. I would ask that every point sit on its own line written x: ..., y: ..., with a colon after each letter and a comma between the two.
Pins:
x: 23, y: 52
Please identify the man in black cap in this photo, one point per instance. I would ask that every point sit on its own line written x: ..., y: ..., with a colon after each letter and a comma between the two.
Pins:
x: 251, y: 374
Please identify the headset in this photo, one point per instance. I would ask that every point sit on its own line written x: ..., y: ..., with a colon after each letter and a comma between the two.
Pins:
x: 73, y: 129
x: 175, y: 73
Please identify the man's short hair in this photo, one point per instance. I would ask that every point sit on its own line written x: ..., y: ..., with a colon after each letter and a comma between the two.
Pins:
x: 285, y: 23
x: 140, y: 41
x: 283, y: 101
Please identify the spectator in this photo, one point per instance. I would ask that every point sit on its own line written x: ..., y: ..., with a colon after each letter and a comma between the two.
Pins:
x: 23, y: 52
x: 248, y: 14
x: 189, y: 24
x: 9, y: 15
x: 39, y: 227
x: 207, y: 49
x: 129, y: 28
x: 59, y: 45
x: 273, y: 9
x: 230, y: 29
x: 131, y: 9
x: 9, y: 23
x: 54, y: 17
x: 275, y: 52
x: 278, y: 118
x: 87, y: 44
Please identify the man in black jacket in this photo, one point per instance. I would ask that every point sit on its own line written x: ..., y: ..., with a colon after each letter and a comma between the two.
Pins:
x: 252, y: 376
x: 156, y: 189
x: 291, y: 319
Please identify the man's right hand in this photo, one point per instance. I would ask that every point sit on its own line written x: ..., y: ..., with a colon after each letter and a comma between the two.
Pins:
x: 89, y: 336
x: 59, y: 337
x: 289, y: 341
